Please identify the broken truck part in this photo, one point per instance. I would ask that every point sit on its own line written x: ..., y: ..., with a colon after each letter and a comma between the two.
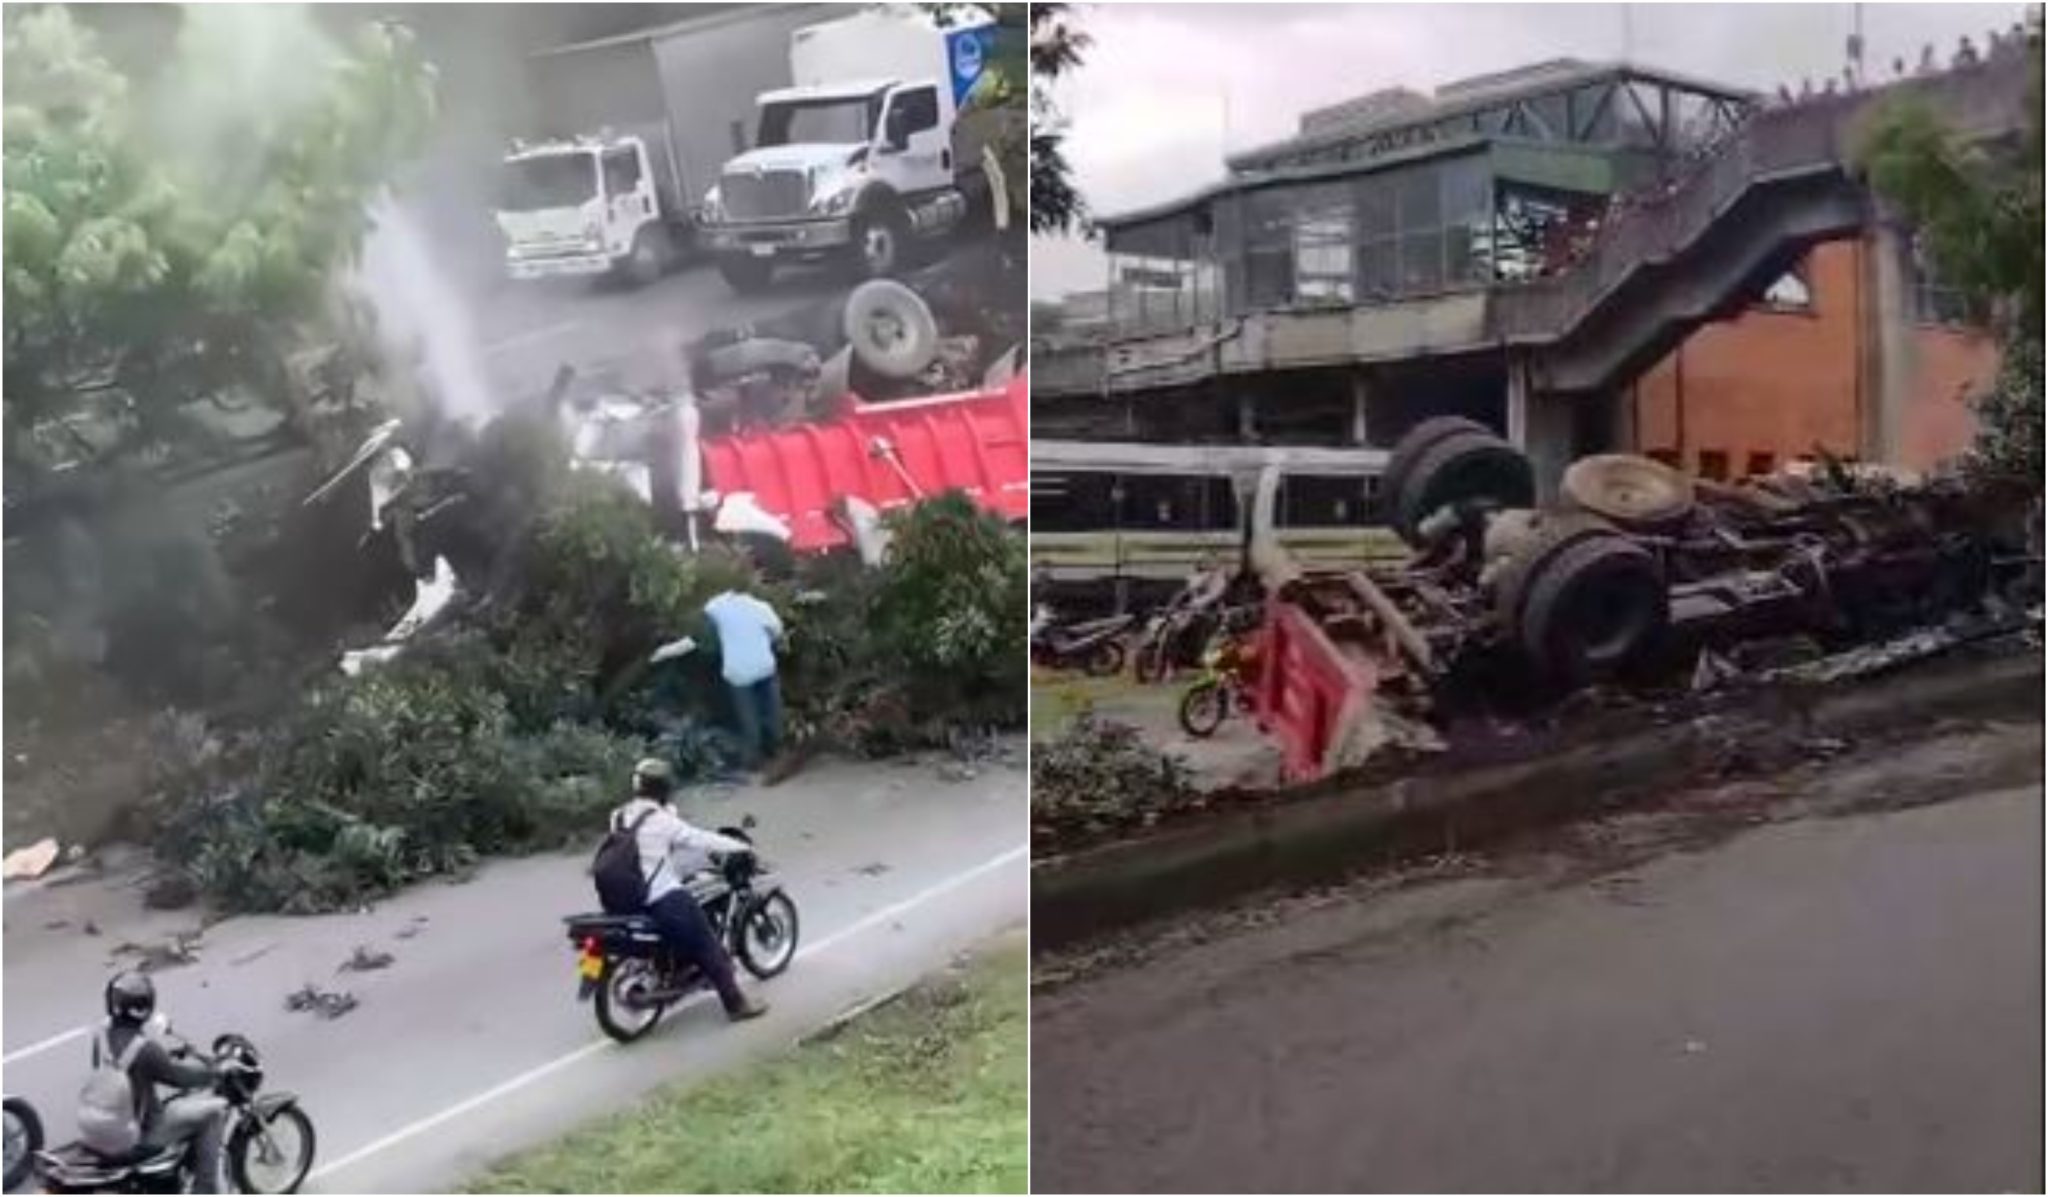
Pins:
x: 1633, y: 577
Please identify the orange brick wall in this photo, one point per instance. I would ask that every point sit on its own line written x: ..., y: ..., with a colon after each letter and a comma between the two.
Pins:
x: 1778, y: 382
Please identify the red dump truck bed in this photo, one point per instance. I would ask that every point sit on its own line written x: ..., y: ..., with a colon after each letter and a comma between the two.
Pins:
x: 886, y: 454
x: 1308, y: 692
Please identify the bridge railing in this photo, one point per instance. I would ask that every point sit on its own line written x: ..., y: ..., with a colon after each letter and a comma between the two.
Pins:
x: 1809, y: 137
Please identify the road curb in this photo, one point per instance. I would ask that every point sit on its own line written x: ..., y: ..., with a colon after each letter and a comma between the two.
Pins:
x: 1330, y: 832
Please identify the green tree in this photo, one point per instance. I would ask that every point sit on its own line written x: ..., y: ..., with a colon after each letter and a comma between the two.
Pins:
x: 152, y: 266
x: 1034, y: 45
x: 1977, y: 209
x: 1057, y: 44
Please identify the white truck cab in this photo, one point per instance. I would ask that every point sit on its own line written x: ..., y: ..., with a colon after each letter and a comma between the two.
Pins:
x: 582, y: 207
x: 849, y: 163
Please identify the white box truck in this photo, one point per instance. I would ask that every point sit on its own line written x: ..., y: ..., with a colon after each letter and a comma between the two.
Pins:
x: 633, y: 128
x: 862, y: 156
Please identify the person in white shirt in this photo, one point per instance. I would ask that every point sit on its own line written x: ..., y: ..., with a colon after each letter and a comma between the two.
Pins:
x: 747, y: 631
x: 671, y: 850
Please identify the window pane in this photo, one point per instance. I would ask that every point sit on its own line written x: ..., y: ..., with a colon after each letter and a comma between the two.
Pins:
x: 1464, y: 183
x: 1322, y: 244
x: 1464, y: 255
x: 1419, y: 201
x: 1375, y: 200
x: 1378, y: 274
x: 1269, y: 277
x: 1422, y: 261
x: 1790, y: 291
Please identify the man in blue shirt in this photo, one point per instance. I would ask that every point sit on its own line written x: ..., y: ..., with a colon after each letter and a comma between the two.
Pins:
x: 747, y: 631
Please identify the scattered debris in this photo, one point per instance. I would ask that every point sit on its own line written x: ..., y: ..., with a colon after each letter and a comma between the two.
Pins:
x: 90, y: 928
x: 957, y: 771
x: 27, y: 864
x: 1871, y: 659
x: 430, y: 598
x: 417, y: 925
x: 1635, y: 576
x: 326, y: 1003
x: 366, y: 960
x: 1712, y: 671
x: 56, y: 924
x: 172, y: 952
x: 252, y: 957
x: 875, y: 869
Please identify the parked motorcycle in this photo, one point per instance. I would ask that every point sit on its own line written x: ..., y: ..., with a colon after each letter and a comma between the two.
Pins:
x: 1095, y: 646
x: 269, y: 1141
x: 1224, y: 688
x: 24, y: 1138
x: 624, y: 963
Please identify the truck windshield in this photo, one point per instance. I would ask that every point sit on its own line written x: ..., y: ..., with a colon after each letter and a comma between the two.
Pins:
x: 549, y: 181
x: 820, y: 122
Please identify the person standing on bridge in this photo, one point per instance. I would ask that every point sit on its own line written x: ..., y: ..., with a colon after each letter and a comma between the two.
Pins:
x: 747, y: 631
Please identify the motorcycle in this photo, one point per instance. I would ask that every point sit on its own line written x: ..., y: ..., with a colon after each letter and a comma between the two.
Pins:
x: 624, y: 963
x: 1094, y: 645
x: 24, y: 1140
x: 269, y: 1141
x: 1224, y: 688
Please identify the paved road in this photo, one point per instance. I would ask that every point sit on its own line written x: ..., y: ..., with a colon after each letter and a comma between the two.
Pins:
x: 526, y: 330
x: 1848, y: 1003
x: 472, y: 1045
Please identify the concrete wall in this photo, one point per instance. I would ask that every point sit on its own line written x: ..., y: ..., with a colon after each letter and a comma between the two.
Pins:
x: 1777, y: 382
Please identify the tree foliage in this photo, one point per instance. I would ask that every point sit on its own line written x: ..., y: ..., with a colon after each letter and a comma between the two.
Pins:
x: 1057, y: 43
x: 1035, y: 44
x: 168, y: 239
x: 1977, y: 210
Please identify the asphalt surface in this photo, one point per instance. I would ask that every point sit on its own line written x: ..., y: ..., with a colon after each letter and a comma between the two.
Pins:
x: 471, y: 1043
x: 525, y: 331
x: 1845, y: 998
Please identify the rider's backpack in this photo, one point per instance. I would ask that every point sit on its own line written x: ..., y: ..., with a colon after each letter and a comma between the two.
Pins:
x: 109, y: 1120
x: 616, y: 868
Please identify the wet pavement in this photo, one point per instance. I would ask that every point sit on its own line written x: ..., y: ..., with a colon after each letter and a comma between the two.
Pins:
x: 1826, y: 981
x: 470, y: 1044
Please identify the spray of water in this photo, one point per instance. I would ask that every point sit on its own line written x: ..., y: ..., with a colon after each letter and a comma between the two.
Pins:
x: 422, y: 320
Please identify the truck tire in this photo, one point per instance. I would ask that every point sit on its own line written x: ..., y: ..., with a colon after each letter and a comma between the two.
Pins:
x: 1593, y: 609
x: 746, y: 274
x: 1462, y: 467
x: 890, y: 329
x: 880, y: 241
x: 648, y: 260
x: 1630, y: 492
x: 1548, y: 534
x: 1411, y: 446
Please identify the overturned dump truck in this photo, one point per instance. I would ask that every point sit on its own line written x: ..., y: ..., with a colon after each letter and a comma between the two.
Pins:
x: 767, y: 443
x: 1634, y: 575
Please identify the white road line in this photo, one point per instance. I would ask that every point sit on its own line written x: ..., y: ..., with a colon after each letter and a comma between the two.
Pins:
x: 859, y: 926
x: 57, y: 1040
x: 532, y: 334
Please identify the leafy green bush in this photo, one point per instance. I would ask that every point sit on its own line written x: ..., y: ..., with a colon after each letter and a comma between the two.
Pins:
x: 931, y: 644
x: 407, y: 772
x: 954, y: 607
x: 1099, y: 779
x: 515, y: 729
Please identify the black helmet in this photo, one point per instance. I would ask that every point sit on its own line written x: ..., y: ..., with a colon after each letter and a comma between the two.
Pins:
x: 131, y: 998
x: 652, y: 778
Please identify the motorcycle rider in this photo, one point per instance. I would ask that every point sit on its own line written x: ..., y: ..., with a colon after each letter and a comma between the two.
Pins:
x: 671, y: 850
x: 194, y: 1111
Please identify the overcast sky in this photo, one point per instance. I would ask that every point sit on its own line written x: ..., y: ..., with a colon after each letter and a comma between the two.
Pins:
x: 1167, y: 87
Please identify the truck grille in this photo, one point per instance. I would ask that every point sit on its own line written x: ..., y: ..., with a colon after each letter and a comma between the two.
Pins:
x: 767, y: 195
